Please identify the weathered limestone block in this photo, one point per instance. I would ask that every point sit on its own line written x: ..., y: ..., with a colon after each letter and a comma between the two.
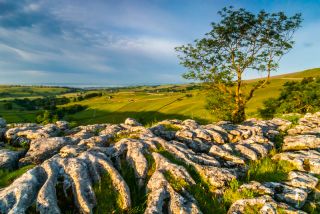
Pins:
x: 301, y: 142
x: 302, y: 180
x: 47, y: 198
x: 221, y: 151
x: 304, y: 160
x: 17, y: 197
x: 161, y: 197
x: 11, y: 133
x: 134, y: 151
x: 62, y: 125
x: 191, y: 124
x: 131, y: 122
x: 46, y: 131
x: 44, y: 148
x: 9, y: 159
x: 257, y: 188
x: 266, y: 204
x: 291, y: 195
x: 220, y: 135
x: 100, y: 141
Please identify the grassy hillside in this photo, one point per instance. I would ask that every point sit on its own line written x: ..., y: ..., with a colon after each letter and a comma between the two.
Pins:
x: 273, y: 89
x: 148, y: 107
x: 152, y: 103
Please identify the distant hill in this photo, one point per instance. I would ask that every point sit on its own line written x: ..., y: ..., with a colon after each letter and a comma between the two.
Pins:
x: 145, y: 103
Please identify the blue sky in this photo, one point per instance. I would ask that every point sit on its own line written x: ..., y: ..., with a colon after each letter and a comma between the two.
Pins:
x: 120, y: 42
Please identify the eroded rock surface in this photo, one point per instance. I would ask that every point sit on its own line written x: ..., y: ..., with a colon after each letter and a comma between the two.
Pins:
x: 166, y: 160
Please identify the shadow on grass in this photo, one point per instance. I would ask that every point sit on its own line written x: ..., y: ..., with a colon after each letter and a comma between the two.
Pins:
x: 91, y: 116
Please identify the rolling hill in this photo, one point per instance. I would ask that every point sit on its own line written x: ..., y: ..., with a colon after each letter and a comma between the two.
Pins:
x: 149, y: 104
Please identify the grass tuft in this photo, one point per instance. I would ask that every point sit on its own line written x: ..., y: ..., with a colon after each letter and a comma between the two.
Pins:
x: 171, y: 127
x: 7, y: 177
x: 137, y: 193
x: 108, y: 199
x: 267, y: 170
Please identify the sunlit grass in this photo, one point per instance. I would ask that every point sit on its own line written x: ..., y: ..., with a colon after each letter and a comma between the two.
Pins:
x: 267, y: 170
x: 108, y: 199
x: 7, y: 177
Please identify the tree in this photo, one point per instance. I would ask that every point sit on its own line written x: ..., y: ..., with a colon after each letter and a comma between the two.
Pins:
x: 241, y: 42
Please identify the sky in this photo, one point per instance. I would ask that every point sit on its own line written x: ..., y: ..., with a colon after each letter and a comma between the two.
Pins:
x: 125, y: 42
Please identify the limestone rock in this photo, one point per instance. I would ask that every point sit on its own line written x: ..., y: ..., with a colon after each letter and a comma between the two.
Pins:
x: 293, y: 196
x: 302, y: 180
x: 304, y: 160
x: 3, y: 123
x: 44, y: 148
x: 17, y: 197
x: 131, y: 122
x: 9, y: 159
x: 301, y: 142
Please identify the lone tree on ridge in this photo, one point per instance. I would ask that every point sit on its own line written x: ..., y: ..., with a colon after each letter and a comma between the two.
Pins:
x: 241, y: 42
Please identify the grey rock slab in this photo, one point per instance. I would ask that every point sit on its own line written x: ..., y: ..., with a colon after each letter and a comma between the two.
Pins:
x: 3, y: 123
x: 296, y: 197
x: 9, y: 159
x: 301, y: 142
x: 305, y: 160
x: 16, y: 198
x: 131, y: 122
x: 44, y: 148
x: 302, y: 180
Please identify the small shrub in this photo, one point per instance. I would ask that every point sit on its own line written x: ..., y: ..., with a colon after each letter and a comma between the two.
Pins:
x: 295, y: 97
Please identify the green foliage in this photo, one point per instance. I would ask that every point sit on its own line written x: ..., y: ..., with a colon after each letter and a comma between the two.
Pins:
x: 312, y: 207
x: 293, y: 118
x: 52, y: 116
x: 232, y: 193
x: 107, y: 197
x: 295, y: 97
x: 8, y: 106
x: 267, y: 170
x: 7, y: 177
x: 221, y: 105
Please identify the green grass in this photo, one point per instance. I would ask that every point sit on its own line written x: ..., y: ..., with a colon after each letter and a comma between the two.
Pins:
x: 137, y: 193
x: 7, y: 177
x: 202, y: 191
x: 293, y: 118
x: 171, y: 127
x: 266, y: 170
x: 107, y: 197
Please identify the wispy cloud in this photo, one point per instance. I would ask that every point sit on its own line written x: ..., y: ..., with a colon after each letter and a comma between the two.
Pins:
x: 114, y: 41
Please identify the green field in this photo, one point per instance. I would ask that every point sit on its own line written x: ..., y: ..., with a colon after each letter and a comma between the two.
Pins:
x: 147, y: 103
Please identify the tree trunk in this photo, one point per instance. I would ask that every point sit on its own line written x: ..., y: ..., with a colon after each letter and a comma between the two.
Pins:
x: 238, y: 115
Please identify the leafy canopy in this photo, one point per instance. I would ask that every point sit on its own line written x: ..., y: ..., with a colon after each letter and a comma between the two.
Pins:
x: 241, y: 41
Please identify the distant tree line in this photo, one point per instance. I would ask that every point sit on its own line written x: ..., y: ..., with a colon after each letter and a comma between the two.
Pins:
x: 50, y: 116
x: 46, y: 103
x: 87, y: 96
